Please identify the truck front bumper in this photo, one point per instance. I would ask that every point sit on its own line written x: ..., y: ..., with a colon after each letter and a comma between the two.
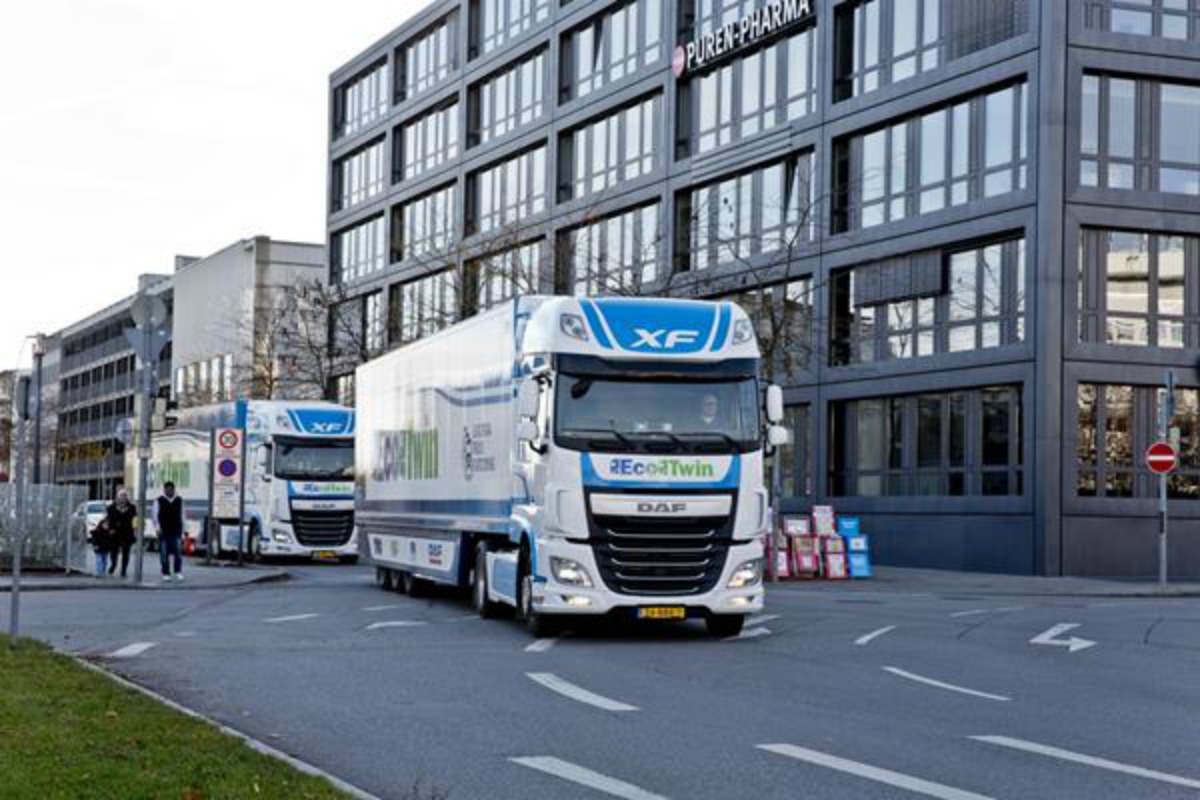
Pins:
x: 552, y: 597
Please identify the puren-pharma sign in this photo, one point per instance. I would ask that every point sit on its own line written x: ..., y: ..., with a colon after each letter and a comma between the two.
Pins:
x: 738, y: 34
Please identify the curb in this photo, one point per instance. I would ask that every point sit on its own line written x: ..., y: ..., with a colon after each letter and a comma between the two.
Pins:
x: 254, y: 744
x: 117, y: 586
x: 1146, y: 594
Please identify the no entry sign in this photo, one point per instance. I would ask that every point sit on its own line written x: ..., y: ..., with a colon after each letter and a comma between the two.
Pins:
x: 1161, y: 458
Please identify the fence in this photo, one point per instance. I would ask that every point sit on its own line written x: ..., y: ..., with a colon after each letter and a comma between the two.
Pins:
x: 54, y: 525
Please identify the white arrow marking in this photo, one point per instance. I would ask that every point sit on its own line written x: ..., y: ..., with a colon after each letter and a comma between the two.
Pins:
x: 1091, y: 761
x: 977, y: 611
x: 567, y: 689
x: 867, y: 638
x: 131, y: 650
x: 912, y: 676
x: 586, y: 777
x: 540, y: 646
x: 292, y: 618
x: 1072, y: 644
x: 396, y: 623
x: 759, y: 620
x: 380, y: 608
x: 752, y: 633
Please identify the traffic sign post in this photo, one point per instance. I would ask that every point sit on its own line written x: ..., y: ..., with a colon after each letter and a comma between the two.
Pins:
x: 1162, y: 459
x: 148, y: 337
x: 228, y: 496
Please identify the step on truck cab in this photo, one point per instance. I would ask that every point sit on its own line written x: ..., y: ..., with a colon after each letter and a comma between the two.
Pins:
x: 569, y: 456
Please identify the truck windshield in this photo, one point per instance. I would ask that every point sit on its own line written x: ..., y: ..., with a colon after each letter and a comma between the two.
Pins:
x: 296, y: 460
x: 657, y: 416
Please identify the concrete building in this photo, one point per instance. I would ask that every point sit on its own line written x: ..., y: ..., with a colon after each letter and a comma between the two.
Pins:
x: 93, y: 368
x: 234, y: 311
x: 970, y: 230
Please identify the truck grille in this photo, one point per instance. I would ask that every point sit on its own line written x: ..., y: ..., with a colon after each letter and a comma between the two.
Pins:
x: 655, y: 556
x: 323, y: 528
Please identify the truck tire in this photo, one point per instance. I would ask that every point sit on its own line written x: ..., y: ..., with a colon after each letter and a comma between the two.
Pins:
x: 411, y: 585
x: 539, y: 626
x: 384, y: 578
x: 722, y: 626
x: 479, y: 586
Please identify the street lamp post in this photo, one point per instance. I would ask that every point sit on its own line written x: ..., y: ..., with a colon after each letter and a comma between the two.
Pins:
x: 39, y: 352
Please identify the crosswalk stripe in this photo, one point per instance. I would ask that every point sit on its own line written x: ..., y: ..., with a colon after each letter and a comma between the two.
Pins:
x: 1091, y: 761
x: 132, y: 650
x: 877, y: 774
x: 586, y: 777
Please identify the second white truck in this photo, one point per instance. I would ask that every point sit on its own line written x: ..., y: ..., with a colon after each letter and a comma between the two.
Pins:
x: 568, y: 456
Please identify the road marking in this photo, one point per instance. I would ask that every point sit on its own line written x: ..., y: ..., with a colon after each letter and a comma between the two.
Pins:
x: 1073, y: 644
x: 752, y: 633
x: 567, y: 689
x: 868, y: 638
x: 292, y: 618
x: 540, y: 646
x: 396, y: 623
x: 381, y: 608
x: 185, y: 634
x: 877, y: 774
x: 132, y: 650
x: 1091, y: 761
x: 948, y: 686
x: 586, y: 777
x: 762, y: 619
x: 976, y: 611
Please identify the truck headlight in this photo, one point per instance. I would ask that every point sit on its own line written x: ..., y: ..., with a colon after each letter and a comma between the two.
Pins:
x: 747, y: 575
x: 572, y: 325
x: 743, y: 331
x: 570, y: 572
x: 280, y: 535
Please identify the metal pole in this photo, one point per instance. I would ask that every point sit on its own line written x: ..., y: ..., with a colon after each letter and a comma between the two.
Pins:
x: 143, y: 444
x: 1162, y: 532
x: 37, y: 411
x: 776, y: 514
x: 242, y: 503
x: 211, y: 527
x: 14, y: 614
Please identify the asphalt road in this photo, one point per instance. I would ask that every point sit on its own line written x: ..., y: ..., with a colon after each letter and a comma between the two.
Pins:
x: 830, y: 694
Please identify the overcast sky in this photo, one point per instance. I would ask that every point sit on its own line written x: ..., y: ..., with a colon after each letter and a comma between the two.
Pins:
x: 133, y: 130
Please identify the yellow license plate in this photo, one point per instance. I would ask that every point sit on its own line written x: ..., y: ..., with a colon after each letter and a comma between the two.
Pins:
x: 325, y: 554
x: 662, y: 612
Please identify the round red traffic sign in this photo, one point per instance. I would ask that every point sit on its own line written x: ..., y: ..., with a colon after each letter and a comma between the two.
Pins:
x: 228, y: 440
x: 1161, y: 458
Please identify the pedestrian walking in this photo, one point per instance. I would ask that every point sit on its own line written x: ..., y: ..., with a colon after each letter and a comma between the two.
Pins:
x: 169, y: 518
x: 101, y: 539
x: 120, y: 516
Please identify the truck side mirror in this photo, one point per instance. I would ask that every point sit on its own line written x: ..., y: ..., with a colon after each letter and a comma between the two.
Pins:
x: 774, y: 404
x: 529, y: 398
x: 778, y: 436
x: 527, y: 431
x: 264, y: 461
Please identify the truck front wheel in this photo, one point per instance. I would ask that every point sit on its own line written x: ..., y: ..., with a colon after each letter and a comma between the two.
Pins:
x: 722, y: 626
x: 479, y: 584
x: 539, y: 625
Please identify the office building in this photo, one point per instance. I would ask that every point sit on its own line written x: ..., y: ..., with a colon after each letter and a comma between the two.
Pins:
x: 969, y: 229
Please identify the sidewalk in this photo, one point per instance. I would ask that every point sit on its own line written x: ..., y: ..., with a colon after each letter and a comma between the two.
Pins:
x: 196, y: 576
x: 903, y: 580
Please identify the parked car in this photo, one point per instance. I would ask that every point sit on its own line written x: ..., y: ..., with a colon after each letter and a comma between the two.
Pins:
x: 92, y: 511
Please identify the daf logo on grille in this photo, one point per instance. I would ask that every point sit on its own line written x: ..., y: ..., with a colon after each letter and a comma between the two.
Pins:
x: 662, y: 508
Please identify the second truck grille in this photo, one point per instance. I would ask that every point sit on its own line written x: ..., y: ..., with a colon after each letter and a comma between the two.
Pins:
x: 323, y: 528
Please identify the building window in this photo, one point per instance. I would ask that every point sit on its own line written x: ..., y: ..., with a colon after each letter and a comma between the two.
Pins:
x: 881, y: 42
x: 971, y: 150
x: 424, y: 227
x: 1116, y: 424
x: 1134, y: 288
x: 1167, y: 19
x: 929, y: 303
x: 358, y: 177
x: 343, y: 389
x: 1139, y: 134
x: 427, y: 142
x: 783, y: 322
x: 359, y: 251
x: 616, y: 255
x: 752, y: 94
x: 361, y: 102
x: 757, y: 213
x: 610, y: 47
x: 796, y: 457
x: 957, y: 443
x: 508, y: 100
x: 617, y: 148
x: 426, y: 306
x: 373, y: 323
x: 495, y: 278
x: 508, y: 192
x: 494, y: 22
x: 427, y: 60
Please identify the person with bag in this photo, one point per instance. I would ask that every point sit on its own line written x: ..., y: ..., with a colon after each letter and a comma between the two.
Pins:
x: 101, y: 541
x: 120, y: 516
x: 169, y: 518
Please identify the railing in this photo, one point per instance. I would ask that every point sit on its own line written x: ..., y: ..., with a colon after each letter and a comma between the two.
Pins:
x: 55, y: 530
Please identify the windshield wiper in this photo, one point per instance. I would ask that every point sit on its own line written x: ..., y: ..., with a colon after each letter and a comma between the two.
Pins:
x: 711, y: 434
x: 679, y: 443
x: 620, y: 437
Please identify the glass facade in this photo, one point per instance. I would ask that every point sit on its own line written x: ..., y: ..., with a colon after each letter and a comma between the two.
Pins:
x: 424, y: 227
x: 981, y: 305
x: 796, y: 458
x: 361, y: 102
x: 611, y: 46
x: 425, y: 306
x: 881, y: 42
x: 617, y: 255
x: 358, y: 177
x: 508, y: 100
x: 767, y: 210
x: 494, y: 22
x: 973, y: 149
x: 428, y: 59
x: 783, y: 317
x: 1139, y: 134
x: 359, y: 251
x: 508, y: 273
x: 602, y: 154
x: 956, y: 443
x: 751, y: 94
x: 508, y: 192
x: 427, y: 142
x: 374, y: 329
x: 1167, y: 19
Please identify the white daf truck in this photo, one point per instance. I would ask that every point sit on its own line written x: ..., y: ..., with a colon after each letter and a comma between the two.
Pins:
x: 568, y: 456
x: 299, y: 476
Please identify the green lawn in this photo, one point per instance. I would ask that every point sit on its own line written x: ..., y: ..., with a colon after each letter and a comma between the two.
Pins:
x: 66, y: 732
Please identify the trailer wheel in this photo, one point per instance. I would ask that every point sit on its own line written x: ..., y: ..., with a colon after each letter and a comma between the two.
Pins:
x: 722, y: 626
x: 383, y: 578
x: 479, y: 585
x: 411, y: 585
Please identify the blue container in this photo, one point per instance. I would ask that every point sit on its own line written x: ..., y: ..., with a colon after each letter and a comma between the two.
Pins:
x: 847, y: 526
x: 859, y: 564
